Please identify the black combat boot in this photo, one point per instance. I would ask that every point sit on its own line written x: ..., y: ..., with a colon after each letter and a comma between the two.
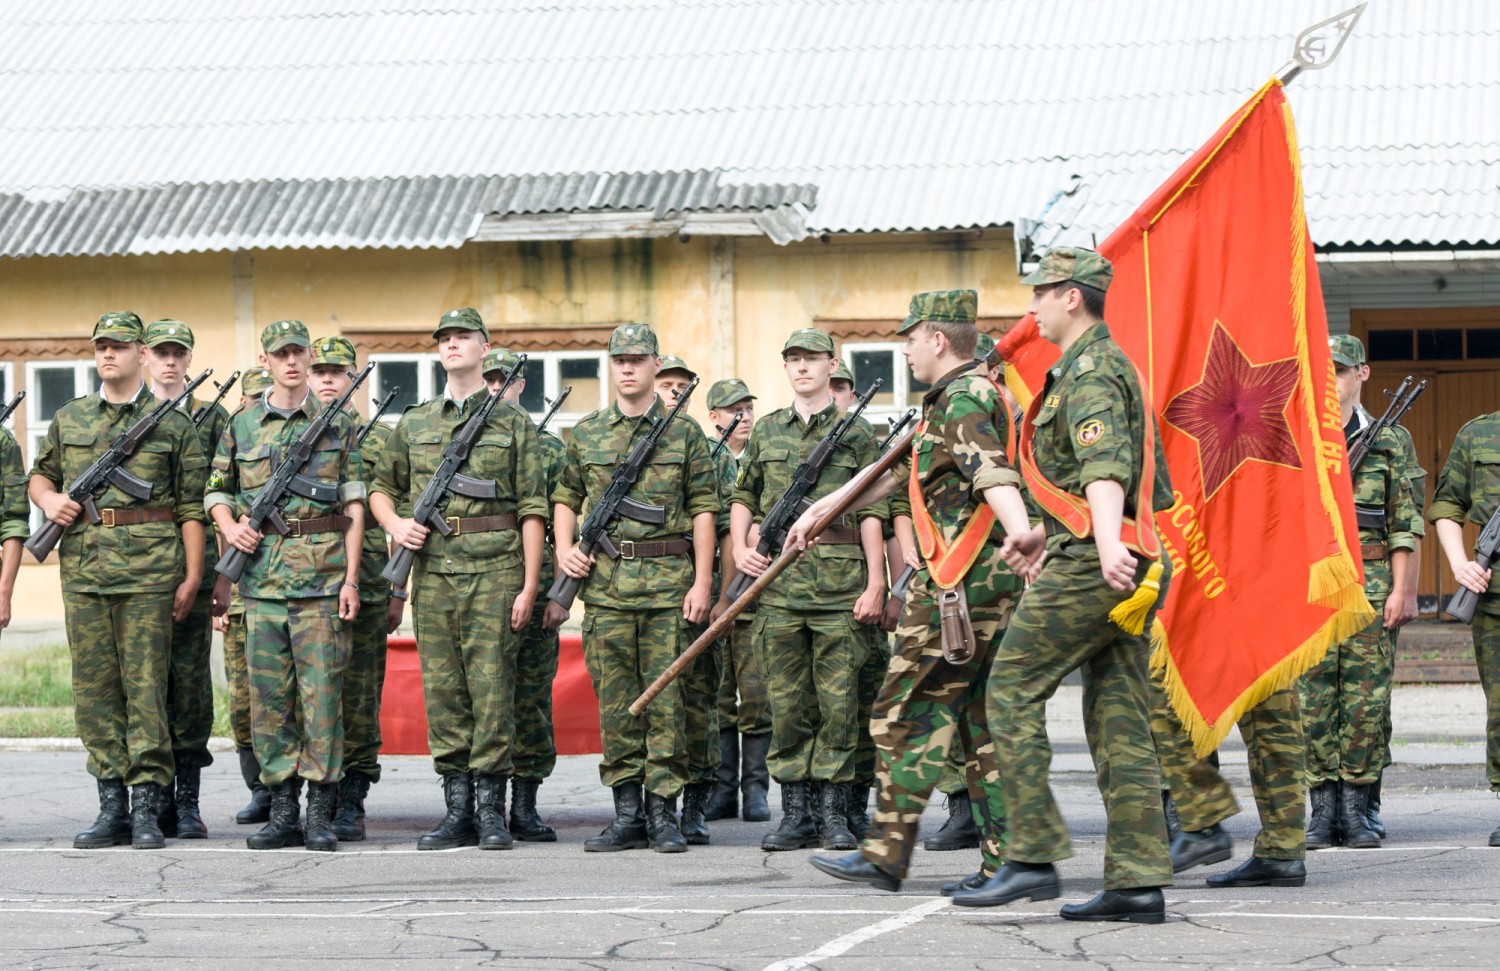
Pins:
x: 833, y: 830
x: 628, y: 831
x: 349, y: 820
x: 525, y: 824
x: 755, y: 778
x: 1320, y: 822
x: 1169, y: 812
x: 320, y: 799
x: 797, y: 830
x: 959, y: 831
x: 166, y: 812
x: 661, y: 824
x: 1372, y: 807
x: 489, y: 808
x: 724, y: 801
x: 112, y: 827
x: 189, y: 819
x: 859, y: 808
x: 258, y: 809
x: 694, y: 826
x: 145, y: 803
x: 1357, y: 832
x: 281, y: 828
x: 457, y: 827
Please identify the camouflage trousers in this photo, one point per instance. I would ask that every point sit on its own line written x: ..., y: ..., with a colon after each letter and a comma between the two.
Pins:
x: 1486, y: 628
x: 811, y: 662
x: 237, y: 675
x: 625, y: 650
x: 1272, y: 731
x: 297, y: 651
x: 468, y: 656
x: 190, y: 686
x: 1346, y: 700
x: 743, y: 701
x: 700, y: 694
x: 871, y: 678
x: 534, y: 747
x: 364, y: 680
x: 924, y: 704
x: 1062, y: 624
x: 119, y: 644
x: 955, y: 777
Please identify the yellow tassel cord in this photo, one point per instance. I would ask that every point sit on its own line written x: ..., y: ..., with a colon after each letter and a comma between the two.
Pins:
x: 1130, y: 614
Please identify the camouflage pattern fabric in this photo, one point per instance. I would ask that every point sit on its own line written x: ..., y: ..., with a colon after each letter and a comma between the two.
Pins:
x: 190, y: 688
x: 237, y: 675
x: 374, y: 589
x: 743, y: 700
x: 868, y: 682
x: 534, y: 750
x: 298, y: 650
x: 625, y: 650
x: 1417, y: 476
x: 364, y: 678
x: 1486, y: 628
x: 1468, y: 488
x: 209, y: 434
x: 15, y: 507
x: 954, y: 778
x: 700, y: 691
x: 812, y: 659
x: 1199, y: 792
x: 119, y: 644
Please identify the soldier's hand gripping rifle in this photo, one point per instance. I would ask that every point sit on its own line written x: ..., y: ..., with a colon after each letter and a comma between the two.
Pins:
x: 380, y: 408
x: 724, y: 438
x: 447, y: 480
x: 562, y: 396
x: 108, y: 469
x: 10, y: 409
x: 616, y: 502
x: 1462, y: 604
x: 1401, y: 401
x: 776, y: 522
x: 205, y: 410
x: 287, y: 480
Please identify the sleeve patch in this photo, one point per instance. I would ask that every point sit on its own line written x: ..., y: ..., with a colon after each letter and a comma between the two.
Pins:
x: 1090, y: 432
x: 215, y: 481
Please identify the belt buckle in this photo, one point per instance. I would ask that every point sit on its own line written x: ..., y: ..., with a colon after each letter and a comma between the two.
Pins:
x: 107, y: 517
x: 294, y: 527
x: 456, y: 524
x: 626, y: 548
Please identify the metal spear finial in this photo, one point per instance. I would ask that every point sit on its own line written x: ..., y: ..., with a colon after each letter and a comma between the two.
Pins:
x: 1318, y: 45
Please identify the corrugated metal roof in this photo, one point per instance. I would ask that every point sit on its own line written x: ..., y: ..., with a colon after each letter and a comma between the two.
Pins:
x: 906, y: 114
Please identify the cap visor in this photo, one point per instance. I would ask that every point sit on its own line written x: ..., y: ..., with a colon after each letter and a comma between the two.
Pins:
x: 286, y: 341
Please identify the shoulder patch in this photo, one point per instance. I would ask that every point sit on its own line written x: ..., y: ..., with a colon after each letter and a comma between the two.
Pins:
x: 215, y: 481
x: 1085, y: 364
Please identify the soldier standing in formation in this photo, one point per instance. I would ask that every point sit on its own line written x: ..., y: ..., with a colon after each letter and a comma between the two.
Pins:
x: 808, y: 631
x: 473, y: 590
x: 125, y: 580
x: 15, y: 516
x: 638, y: 609
x: 301, y: 589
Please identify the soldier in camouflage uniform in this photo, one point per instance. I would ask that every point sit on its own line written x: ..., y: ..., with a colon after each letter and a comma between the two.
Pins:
x: 534, y: 748
x: 301, y: 588
x: 333, y: 359
x: 1092, y: 428
x: 190, y: 690
x: 15, y: 515
x: 809, y: 630
x: 473, y: 590
x: 638, y: 610
x: 966, y: 485
x: 1468, y: 491
x: 744, y: 705
x: 1345, y: 697
x: 126, y: 580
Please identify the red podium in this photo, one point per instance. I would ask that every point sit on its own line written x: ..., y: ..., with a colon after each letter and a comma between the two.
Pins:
x: 403, y: 715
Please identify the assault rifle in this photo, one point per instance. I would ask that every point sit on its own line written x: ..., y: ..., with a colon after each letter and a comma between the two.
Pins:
x: 447, y: 480
x: 205, y: 410
x: 1461, y: 605
x: 108, y: 470
x: 287, y: 480
x: 562, y: 396
x: 724, y: 438
x: 380, y: 408
x: 774, y: 525
x: 1401, y: 401
x: 896, y: 427
x: 616, y: 502
x: 11, y: 408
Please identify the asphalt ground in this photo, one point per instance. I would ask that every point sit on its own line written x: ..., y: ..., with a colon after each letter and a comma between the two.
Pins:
x: 1429, y: 897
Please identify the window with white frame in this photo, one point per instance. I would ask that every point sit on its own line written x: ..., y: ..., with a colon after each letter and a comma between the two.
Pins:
x: 50, y: 385
x: 883, y: 360
x: 421, y: 378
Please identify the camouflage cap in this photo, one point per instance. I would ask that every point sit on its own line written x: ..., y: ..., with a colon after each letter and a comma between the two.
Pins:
x: 842, y: 373
x: 808, y: 339
x: 727, y: 392
x: 121, y: 325
x: 464, y: 318
x: 284, y: 333
x: 628, y: 339
x: 1071, y: 263
x: 255, y: 381
x: 1347, y: 350
x: 943, y: 307
x: 984, y: 350
x: 168, y: 331
x: 671, y: 362
x: 333, y: 350
x: 501, y: 359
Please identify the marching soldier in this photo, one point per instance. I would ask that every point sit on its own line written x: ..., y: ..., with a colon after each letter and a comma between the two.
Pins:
x: 473, y: 590
x: 125, y: 580
x: 809, y: 629
x: 190, y: 690
x: 301, y: 589
x: 638, y: 609
x: 966, y: 484
x: 1098, y: 472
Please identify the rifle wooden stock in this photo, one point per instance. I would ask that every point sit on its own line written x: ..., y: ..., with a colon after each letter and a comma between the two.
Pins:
x: 852, y: 500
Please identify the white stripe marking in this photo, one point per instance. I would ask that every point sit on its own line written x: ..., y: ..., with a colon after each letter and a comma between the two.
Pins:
x: 839, y: 945
x: 1430, y: 920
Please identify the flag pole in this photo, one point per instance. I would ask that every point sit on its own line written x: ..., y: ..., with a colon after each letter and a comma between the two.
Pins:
x: 1318, y: 45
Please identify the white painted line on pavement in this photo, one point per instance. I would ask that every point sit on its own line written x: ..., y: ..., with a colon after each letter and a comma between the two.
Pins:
x: 841, y: 944
x: 1426, y: 920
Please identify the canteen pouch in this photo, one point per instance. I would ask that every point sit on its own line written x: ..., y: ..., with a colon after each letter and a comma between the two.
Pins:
x: 957, y: 631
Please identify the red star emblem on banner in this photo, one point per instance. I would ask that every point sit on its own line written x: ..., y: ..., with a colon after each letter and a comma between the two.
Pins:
x: 1237, y: 412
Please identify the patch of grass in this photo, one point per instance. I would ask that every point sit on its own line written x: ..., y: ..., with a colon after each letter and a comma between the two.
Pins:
x: 38, y: 723
x: 41, y: 677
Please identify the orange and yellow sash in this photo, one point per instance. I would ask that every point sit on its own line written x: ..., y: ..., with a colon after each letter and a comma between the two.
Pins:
x: 947, y: 563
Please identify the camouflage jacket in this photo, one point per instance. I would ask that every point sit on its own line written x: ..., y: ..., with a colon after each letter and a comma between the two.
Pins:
x: 1415, y: 474
x: 146, y: 557
x: 831, y: 576
x: 507, y: 453
x: 15, y: 509
x: 727, y: 470
x: 1468, y: 489
x: 553, y: 451
x: 679, y: 477
x: 208, y: 438
x: 287, y: 567
x: 1089, y: 427
x: 1382, y: 490
x: 375, y: 551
